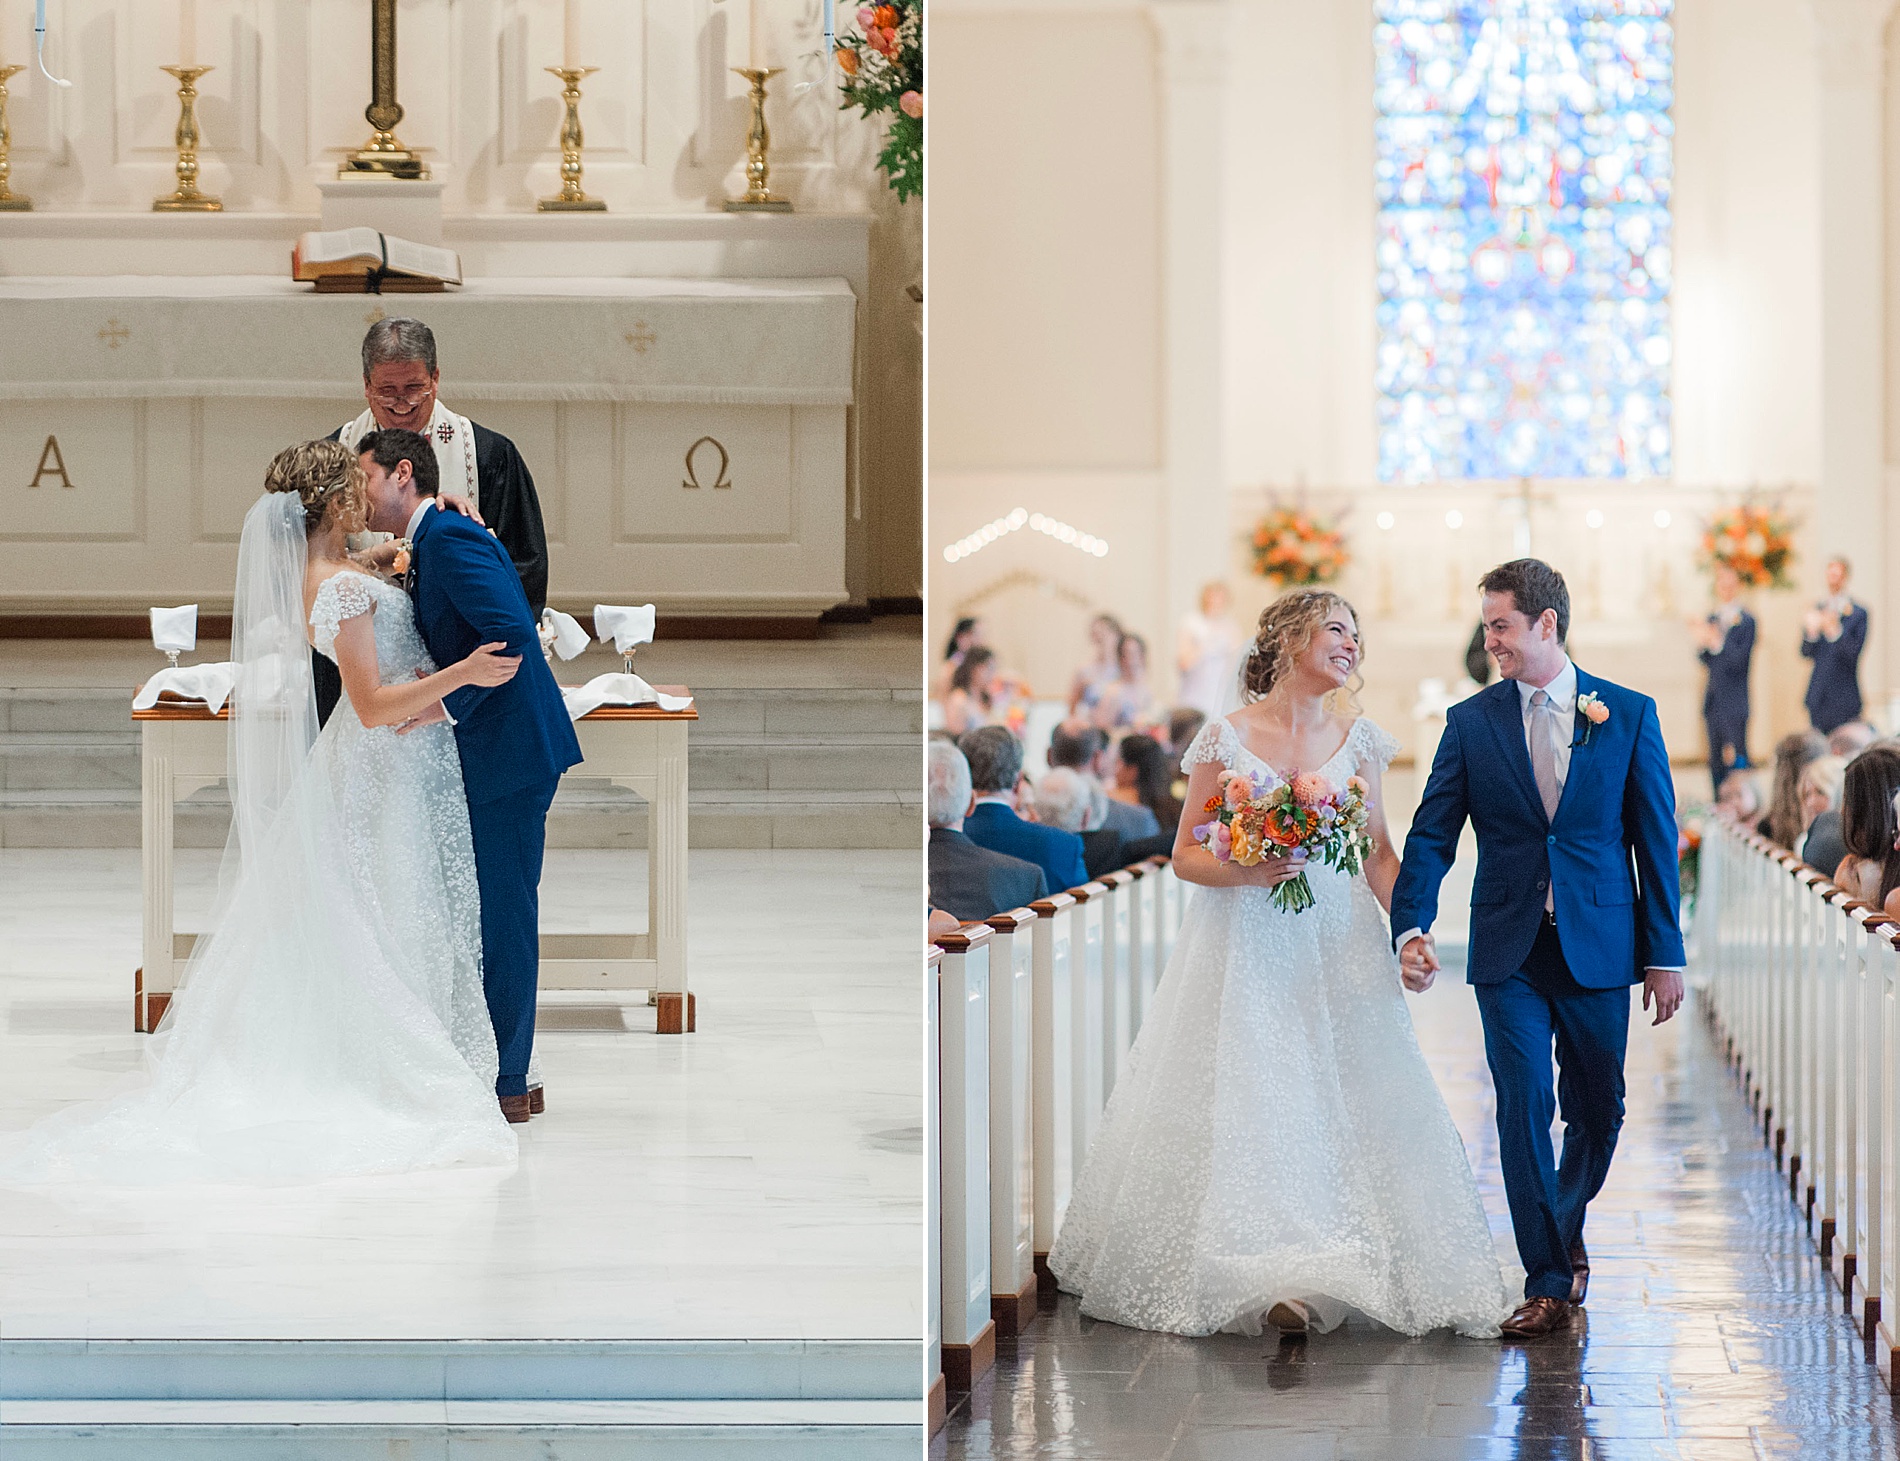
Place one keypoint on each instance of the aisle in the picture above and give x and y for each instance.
(1711, 1334)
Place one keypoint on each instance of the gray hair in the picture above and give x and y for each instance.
(996, 758)
(1063, 799)
(948, 795)
(396, 338)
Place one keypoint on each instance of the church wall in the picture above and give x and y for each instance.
(664, 123)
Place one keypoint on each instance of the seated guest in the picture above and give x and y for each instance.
(1067, 799)
(1821, 847)
(996, 769)
(1871, 867)
(967, 881)
(1739, 799)
(1079, 745)
(1146, 778)
(1783, 825)
(1184, 724)
(1849, 740)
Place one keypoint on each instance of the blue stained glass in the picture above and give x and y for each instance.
(1524, 156)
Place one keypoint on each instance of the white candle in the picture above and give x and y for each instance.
(188, 32)
(752, 33)
(571, 35)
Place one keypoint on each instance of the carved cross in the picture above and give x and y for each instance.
(641, 337)
(114, 334)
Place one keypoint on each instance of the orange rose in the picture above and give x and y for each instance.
(848, 62)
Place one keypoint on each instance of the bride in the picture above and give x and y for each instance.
(332, 1023)
(1278, 1147)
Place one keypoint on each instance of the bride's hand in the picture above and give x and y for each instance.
(489, 667)
(1282, 867)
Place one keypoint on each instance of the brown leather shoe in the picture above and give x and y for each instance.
(537, 1103)
(1290, 1317)
(1537, 1317)
(515, 1108)
(1579, 1272)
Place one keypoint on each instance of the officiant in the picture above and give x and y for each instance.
(400, 381)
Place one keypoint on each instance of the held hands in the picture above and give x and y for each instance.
(1665, 985)
(489, 668)
(1418, 963)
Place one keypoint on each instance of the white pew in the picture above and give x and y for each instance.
(1144, 910)
(1088, 951)
(1118, 977)
(1012, 1121)
(1053, 1026)
(969, 1334)
(935, 1388)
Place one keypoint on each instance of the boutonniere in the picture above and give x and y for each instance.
(1593, 711)
(405, 551)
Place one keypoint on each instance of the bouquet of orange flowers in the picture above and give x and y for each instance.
(1249, 822)
(1297, 550)
(1757, 542)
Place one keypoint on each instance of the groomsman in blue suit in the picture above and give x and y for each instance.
(1566, 781)
(515, 739)
(1834, 636)
(996, 767)
(1726, 642)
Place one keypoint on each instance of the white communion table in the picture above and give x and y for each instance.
(639, 747)
(690, 435)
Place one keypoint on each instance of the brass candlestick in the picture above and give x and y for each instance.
(571, 199)
(758, 198)
(383, 156)
(186, 198)
(10, 201)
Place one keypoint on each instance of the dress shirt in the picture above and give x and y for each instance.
(1562, 691)
(415, 518)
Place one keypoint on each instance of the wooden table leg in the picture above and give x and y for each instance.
(152, 984)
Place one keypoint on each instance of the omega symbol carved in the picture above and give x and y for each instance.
(52, 464)
(720, 479)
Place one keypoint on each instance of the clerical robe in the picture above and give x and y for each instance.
(511, 508)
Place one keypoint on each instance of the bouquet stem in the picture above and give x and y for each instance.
(1295, 895)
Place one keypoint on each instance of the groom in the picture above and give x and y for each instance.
(1566, 781)
(515, 739)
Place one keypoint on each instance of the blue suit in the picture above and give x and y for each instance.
(1725, 701)
(1057, 853)
(1607, 860)
(1833, 696)
(515, 741)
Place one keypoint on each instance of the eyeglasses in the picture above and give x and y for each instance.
(390, 401)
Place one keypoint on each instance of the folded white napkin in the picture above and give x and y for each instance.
(175, 629)
(625, 624)
(209, 683)
(562, 633)
(618, 689)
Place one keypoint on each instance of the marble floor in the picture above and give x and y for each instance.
(1710, 1333)
(760, 1178)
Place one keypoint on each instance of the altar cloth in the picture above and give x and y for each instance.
(785, 342)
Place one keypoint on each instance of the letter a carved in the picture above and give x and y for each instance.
(52, 464)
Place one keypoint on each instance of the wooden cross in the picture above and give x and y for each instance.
(114, 334)
(641, 337)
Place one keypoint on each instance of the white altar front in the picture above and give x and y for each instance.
(688, 436)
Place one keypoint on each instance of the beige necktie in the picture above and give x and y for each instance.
(1544, 753)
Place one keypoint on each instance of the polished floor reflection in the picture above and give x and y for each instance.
(1710, 1334)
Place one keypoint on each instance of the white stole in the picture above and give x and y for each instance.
(452, 437)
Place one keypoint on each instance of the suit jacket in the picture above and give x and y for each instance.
(1609, 854)
(1823, 849)
(972, 882)
(1833, 696)
(1130, 820)
(1102, 851)
(1057, 853)
(467, 594)
(1725, 699)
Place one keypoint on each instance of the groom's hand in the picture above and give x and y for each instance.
(1665, 987)
(1418, 963)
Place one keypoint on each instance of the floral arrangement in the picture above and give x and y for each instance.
(1306, 815)
(1297, 550)
(1757, 542)
(1594, 712)
(883, 67)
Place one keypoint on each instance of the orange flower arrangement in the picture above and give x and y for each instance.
(1295, 549)
(1757, 542)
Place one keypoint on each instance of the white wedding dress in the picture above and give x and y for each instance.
(332, 1023)
(1277, 1134)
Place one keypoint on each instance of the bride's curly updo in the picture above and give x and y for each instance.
(1287, 627)
(323, 474)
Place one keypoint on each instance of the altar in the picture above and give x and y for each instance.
(689, 435)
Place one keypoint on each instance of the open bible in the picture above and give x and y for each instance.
(363, 261)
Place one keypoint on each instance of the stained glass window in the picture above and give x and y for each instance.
(1524, 241)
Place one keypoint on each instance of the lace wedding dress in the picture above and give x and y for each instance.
(332, 1023)
(1277, 1134)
